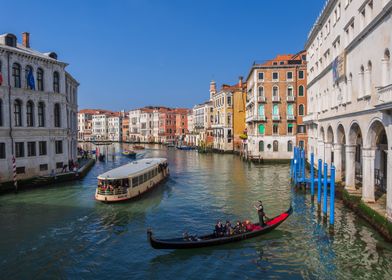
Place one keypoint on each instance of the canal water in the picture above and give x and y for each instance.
(62, 232)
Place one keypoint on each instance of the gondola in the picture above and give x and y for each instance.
(212, 240)
(138, 147)
(101, 157)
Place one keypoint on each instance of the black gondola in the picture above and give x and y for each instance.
(101, 157)
(212, 240)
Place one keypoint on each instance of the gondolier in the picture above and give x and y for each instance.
(260, 212)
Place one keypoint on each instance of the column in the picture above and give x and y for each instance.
(368, 157)
(350, 167)
(328, 150)
(337, 148)
(389, 186)
(320, 150)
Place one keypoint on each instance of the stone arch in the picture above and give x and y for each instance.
(340, 134)
(354, 162)
(322, 134)
(330, 135)
(375, 162)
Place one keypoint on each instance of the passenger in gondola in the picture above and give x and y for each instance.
(237, 228)
(260, 212)
(229, 229)
(218, 229)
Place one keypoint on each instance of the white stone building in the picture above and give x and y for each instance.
(202, 121)
(85, 121)
(115, 128)
(223, 120)
(350, 95)
(38, 111)
(134, 125)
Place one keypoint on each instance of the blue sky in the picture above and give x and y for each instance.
(128, 54)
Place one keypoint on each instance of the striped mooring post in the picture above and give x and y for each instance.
(14, 170)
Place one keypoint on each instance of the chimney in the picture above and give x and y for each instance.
(26, 39)
(240, 82)
(212, 89)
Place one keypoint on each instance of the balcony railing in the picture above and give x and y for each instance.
(290, 117)
(275, 99)
(261, 98)
(385, 97)
(290, 98)
(276, 117)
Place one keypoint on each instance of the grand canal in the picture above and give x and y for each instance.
(62, 232)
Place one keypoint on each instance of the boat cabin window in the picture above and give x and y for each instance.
(135, 182)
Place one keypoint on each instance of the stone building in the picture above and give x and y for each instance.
(350, 95)
(276, 103)
(202, 123)
(38, 110)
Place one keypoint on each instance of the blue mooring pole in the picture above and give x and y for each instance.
(332, 197)
(320, 166)
(303, 167)
(312, 174)
(295, 165)
(325, 188)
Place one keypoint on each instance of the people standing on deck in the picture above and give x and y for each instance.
(260, 212)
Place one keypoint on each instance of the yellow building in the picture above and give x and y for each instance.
(229, 117)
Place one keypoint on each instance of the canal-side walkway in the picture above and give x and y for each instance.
(85, 166)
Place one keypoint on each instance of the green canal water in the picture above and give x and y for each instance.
(62, 232)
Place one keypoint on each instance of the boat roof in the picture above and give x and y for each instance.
(132, 168)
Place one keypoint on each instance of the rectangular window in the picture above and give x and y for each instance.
(135, 182)
(19, 149)
(275, 76)
(59, 165)
(42, 148)
(290, 128)
(20, 170)
(289, 76)
(43, 167)
(31, 149)
(301, 129)
(301, 74)
(275, 129)
(261, 76)
(2, 150)
(59, 147)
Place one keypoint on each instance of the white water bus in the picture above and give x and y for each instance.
(131, 180)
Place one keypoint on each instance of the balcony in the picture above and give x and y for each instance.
(276, 117)
(260, 118)
(275, 99)
(290, 98)
(257, 118)
(384, 101)
(261, 99)
(290, 117)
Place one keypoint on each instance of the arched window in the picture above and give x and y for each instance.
(361, 82)
(57, 115)
(301, 91)
(56, 82)
(261, 91)
(368, 77)
(261, 110)
(30, 113)
(290, 146)
(29, 77)
(16, 75)
(40, 79)
(1, 112)
(290, 91)
(261, 146)
(275, 91)
(301, 110)
(386, 68)
(41, 114)
(275, 146)
(18, 112)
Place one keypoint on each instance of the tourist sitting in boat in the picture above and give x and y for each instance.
(238, 228)
(218, 232)
(229, 229)
(260, 212)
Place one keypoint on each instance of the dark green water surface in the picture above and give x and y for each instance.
(62, 232)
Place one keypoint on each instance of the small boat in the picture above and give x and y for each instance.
(211, 240)
(127, 153)
(185, 148)
(101, 157)
(138, 147)
(131, 180)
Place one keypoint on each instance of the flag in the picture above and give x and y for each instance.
(30, 80)
(1, 79)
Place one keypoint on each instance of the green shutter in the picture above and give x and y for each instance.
(290, 125)
(261, 129)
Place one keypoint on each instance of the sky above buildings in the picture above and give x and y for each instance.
(128, 54)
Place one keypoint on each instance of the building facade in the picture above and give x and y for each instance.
(350, 95)
(38, 111)
(276, 103)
